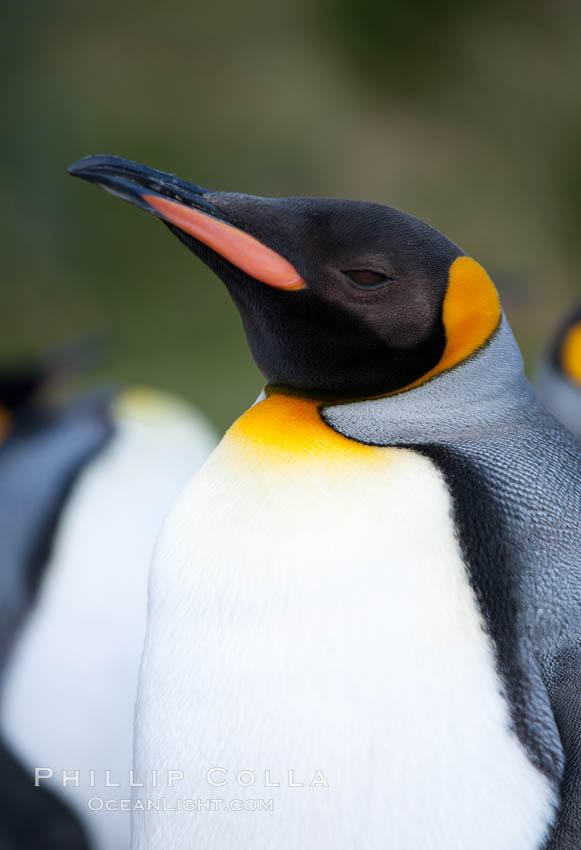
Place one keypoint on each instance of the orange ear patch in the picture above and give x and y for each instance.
(470, 314)
(471, 311)
(5, 422)
(571, 353)
(239, 248)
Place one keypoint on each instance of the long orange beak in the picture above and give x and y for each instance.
(185, 206)
(239, 248)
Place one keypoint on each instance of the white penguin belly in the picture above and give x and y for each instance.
(313, 615)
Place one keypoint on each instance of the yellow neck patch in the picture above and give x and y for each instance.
(571, 354)
(5, 422)
(285, 426)
(471, 314)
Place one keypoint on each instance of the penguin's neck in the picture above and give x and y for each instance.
(486, 390)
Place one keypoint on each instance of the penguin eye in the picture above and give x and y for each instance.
(368, 279)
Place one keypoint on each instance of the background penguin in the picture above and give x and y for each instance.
(396, 602)
(559, 379)
(83, 488)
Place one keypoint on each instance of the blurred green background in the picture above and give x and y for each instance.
(467, 115)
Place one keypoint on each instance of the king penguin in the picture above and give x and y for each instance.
(84, 487)
(364, 625)
(559, 378)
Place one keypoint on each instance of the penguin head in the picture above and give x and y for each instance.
(27, 389)
(339, 299)
(565, 351)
